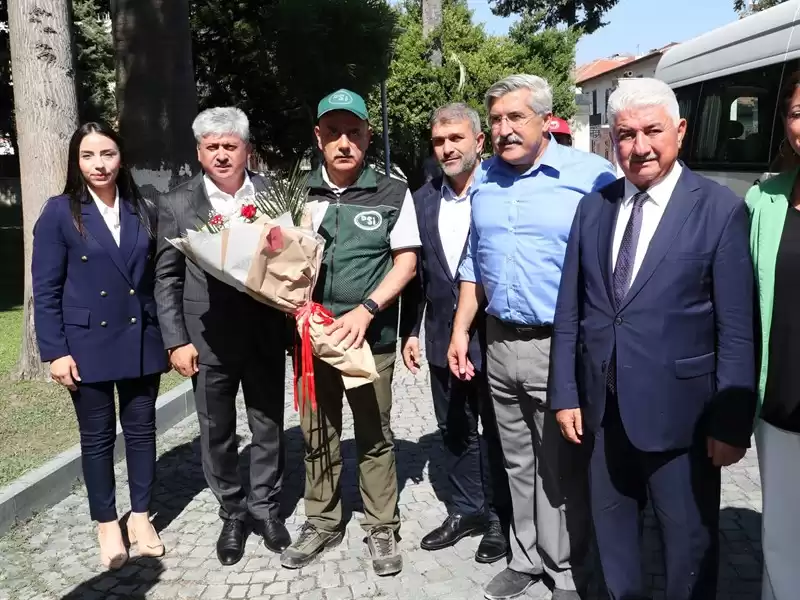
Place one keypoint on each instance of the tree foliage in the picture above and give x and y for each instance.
(275, 59)
(94, 61)
(472, 62)
(586, 15)
(748, 7)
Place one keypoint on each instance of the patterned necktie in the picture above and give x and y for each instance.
(623, 271)
(626, 256)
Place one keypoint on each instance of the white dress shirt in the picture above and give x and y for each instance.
(652, 211)
(110, 214)
(222, 202)
(454, 219)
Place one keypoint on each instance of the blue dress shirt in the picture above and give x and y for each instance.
(519, 230)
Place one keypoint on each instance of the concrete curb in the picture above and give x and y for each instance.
(52, 482)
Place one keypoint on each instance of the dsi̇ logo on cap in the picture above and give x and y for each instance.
(369, 220)
(554, 124)
(342, 98)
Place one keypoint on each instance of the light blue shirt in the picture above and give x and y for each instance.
(519, 230)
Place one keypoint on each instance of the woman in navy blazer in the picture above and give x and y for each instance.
(96, 325)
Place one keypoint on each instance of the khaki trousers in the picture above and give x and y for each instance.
(371, 405)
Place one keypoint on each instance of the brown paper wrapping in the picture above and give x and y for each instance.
(284, 275)
(357, 365)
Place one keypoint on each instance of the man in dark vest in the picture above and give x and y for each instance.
(443, 214)
(371, 240)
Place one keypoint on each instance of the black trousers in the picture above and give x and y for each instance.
(458, 405)
(97, 421)
(215, 387)
(684, 489)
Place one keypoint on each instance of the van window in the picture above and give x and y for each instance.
(734, 121)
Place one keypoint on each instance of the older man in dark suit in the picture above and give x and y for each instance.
(652, 357)
(222, 338)
(443, 213)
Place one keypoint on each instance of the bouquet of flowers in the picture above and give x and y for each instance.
(268, 248)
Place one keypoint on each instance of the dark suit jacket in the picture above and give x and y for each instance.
(434, 290)
(225, 325)
(93, 299)
(684, 332)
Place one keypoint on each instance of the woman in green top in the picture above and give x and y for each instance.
(774, 207)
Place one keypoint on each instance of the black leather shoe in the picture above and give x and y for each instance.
(493, 546)
(453, 529)
(230, 544)
(276, 538)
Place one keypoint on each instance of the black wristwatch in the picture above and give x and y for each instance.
(371, 306)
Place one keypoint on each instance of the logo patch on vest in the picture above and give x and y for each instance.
(368, 220)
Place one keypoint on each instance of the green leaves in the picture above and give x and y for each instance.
(276, 59)
(472, 62)
(746, 8)
(285, 195)
(586, 15)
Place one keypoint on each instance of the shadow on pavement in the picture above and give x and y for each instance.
(131, 582)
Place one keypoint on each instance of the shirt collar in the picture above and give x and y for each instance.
(449, 194)
(661, 192)
(102, 206)
(551, 159)
(213, 190)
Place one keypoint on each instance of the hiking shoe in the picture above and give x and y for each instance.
(308, 545)
(386, 558)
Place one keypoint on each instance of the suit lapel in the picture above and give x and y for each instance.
(200, 202)
(96, 226)
(129, 225)
(433, 204)
(681, 204)
(605, 234)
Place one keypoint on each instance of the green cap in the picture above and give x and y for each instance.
(343, 100)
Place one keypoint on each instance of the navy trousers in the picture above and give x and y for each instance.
(458, 406)
(94, 405)
(684, 489)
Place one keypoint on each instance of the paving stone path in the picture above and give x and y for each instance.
(54, 556)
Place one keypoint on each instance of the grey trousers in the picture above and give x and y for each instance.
(547, 475)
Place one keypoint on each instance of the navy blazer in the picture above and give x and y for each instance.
(684, 332)
(92, 299)
(434, 290)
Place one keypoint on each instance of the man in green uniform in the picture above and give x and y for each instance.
(371, 234)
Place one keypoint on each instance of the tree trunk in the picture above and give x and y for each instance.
(46, 114)
(156, 94)
(431, 19)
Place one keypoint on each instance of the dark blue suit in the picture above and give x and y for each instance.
(457, 404)
(683, 344)
(93, 300)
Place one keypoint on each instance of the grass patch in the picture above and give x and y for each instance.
(38, 420)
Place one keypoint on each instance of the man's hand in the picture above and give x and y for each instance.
(460, 364)
(722, 454)
(350, 329)
(184, 359)
(570, 420)
(410, 350)
(65, 372)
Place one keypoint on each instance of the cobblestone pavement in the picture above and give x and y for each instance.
(54, 555)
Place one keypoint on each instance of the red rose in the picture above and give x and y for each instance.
(217, 221)
(248, 211)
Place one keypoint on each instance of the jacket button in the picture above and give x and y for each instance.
(103, 323)
(618, 321)
(104, 293)
(132, 292)
(603, 367)
(84, 258)
(133, 320)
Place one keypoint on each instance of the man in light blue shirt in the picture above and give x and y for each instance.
(521, 217)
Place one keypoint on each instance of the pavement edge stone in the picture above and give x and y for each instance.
(50, 483)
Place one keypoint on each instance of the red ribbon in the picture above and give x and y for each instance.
(305, 362)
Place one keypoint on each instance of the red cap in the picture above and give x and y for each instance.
(559, 125)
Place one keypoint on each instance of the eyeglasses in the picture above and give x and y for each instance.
(514, 119)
